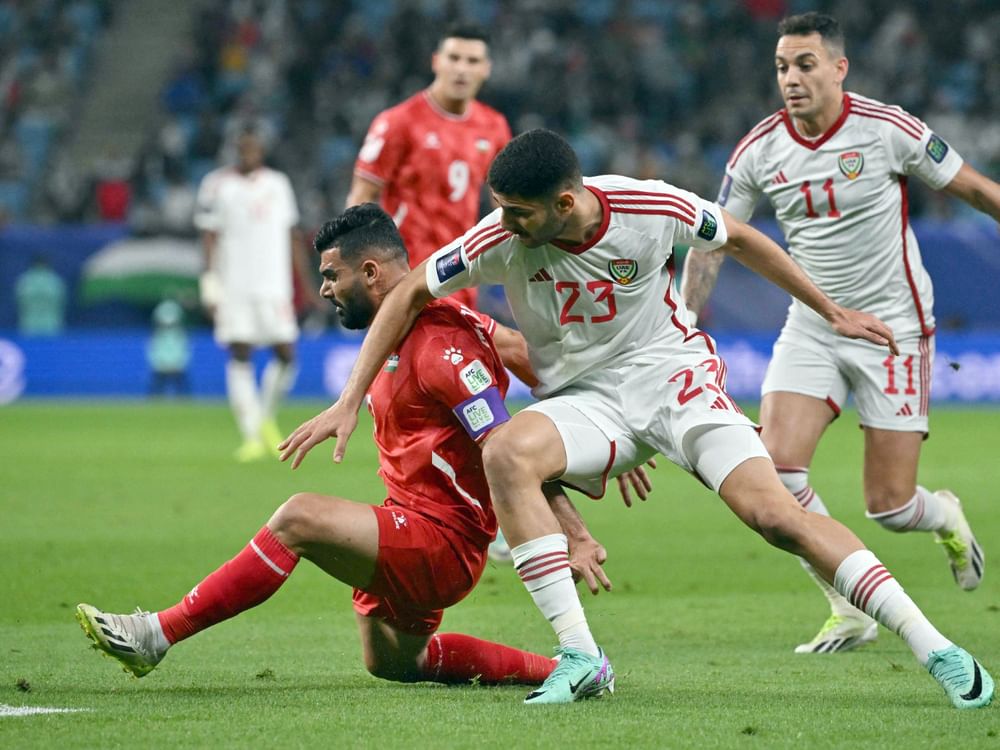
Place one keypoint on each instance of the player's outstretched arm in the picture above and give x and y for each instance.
(586, 554)
(976, 189)
(392, 322)
(513, 351)
(763, 256)
(701, 269)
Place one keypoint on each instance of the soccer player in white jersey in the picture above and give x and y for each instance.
(835, 166)
(248, 220)
(623, 374)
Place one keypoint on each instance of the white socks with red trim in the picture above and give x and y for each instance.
(925, 511)
(796, 481)
(866, 584)
(543, 565)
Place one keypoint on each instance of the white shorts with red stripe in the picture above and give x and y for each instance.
(891, 393)
(616, 419)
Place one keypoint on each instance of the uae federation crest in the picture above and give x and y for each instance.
(623, 270)
(851, 164)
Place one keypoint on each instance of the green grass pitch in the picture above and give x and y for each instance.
(125, 504)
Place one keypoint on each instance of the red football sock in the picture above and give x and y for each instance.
(455, 658)
(243, 582)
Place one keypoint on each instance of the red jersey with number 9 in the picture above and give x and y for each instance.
(431, 165)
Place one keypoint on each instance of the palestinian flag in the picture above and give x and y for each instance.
(142, 270)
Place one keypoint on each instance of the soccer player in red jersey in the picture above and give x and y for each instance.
(426, 158)
(424, 548)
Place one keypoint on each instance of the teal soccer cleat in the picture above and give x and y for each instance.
(967, 684)
(577, 676)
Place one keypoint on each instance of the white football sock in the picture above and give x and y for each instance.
(543, 565)
(241, 386)
(275, 383)
(865, 582)
(796, 481)
(925, 511)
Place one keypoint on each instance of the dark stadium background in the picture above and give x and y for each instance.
(112, 111)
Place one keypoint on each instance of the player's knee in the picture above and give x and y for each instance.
(292, 522)
(390, 669)
(507, 460)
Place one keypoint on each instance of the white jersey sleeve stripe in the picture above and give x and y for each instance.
(889, 116)
(889, 108)
(485, 243)
(621, 196)
(664, 201)
(654, 212)
(761, 130)
(479, 233)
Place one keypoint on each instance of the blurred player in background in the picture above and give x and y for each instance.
(623, 374)
(424, 549)
(248, 220)
(426, 158)
(835, 166)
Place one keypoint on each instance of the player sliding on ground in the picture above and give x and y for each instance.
(424, 549)
(588, 269)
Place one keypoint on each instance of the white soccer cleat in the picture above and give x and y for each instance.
(965, 556)
(130, 639)
(841, 633)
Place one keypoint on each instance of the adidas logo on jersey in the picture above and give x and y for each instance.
(779, 179)
(906, 411)
(541, 275)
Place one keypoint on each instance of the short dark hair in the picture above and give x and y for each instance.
(464, 30)
(536, 164)
(813, 22)
(361, 231)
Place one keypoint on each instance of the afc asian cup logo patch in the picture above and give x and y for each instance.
(709, 226)
(937, 149)
(450, 264)
(623, 270)
(851, 163)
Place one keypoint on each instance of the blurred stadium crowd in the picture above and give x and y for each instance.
(644, 88)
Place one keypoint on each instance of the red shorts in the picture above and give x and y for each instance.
(422, 567)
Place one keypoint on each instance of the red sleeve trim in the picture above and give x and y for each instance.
(759, 130)
(487, 241)
(892, 117)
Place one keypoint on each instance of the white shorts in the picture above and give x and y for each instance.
(617, 419)
(891, 393)
(261, 322)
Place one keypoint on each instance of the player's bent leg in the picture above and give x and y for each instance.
(792, 425)
(339, 536)
(859, 576)
(448, 658)
(517, 458)
(896, 502)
